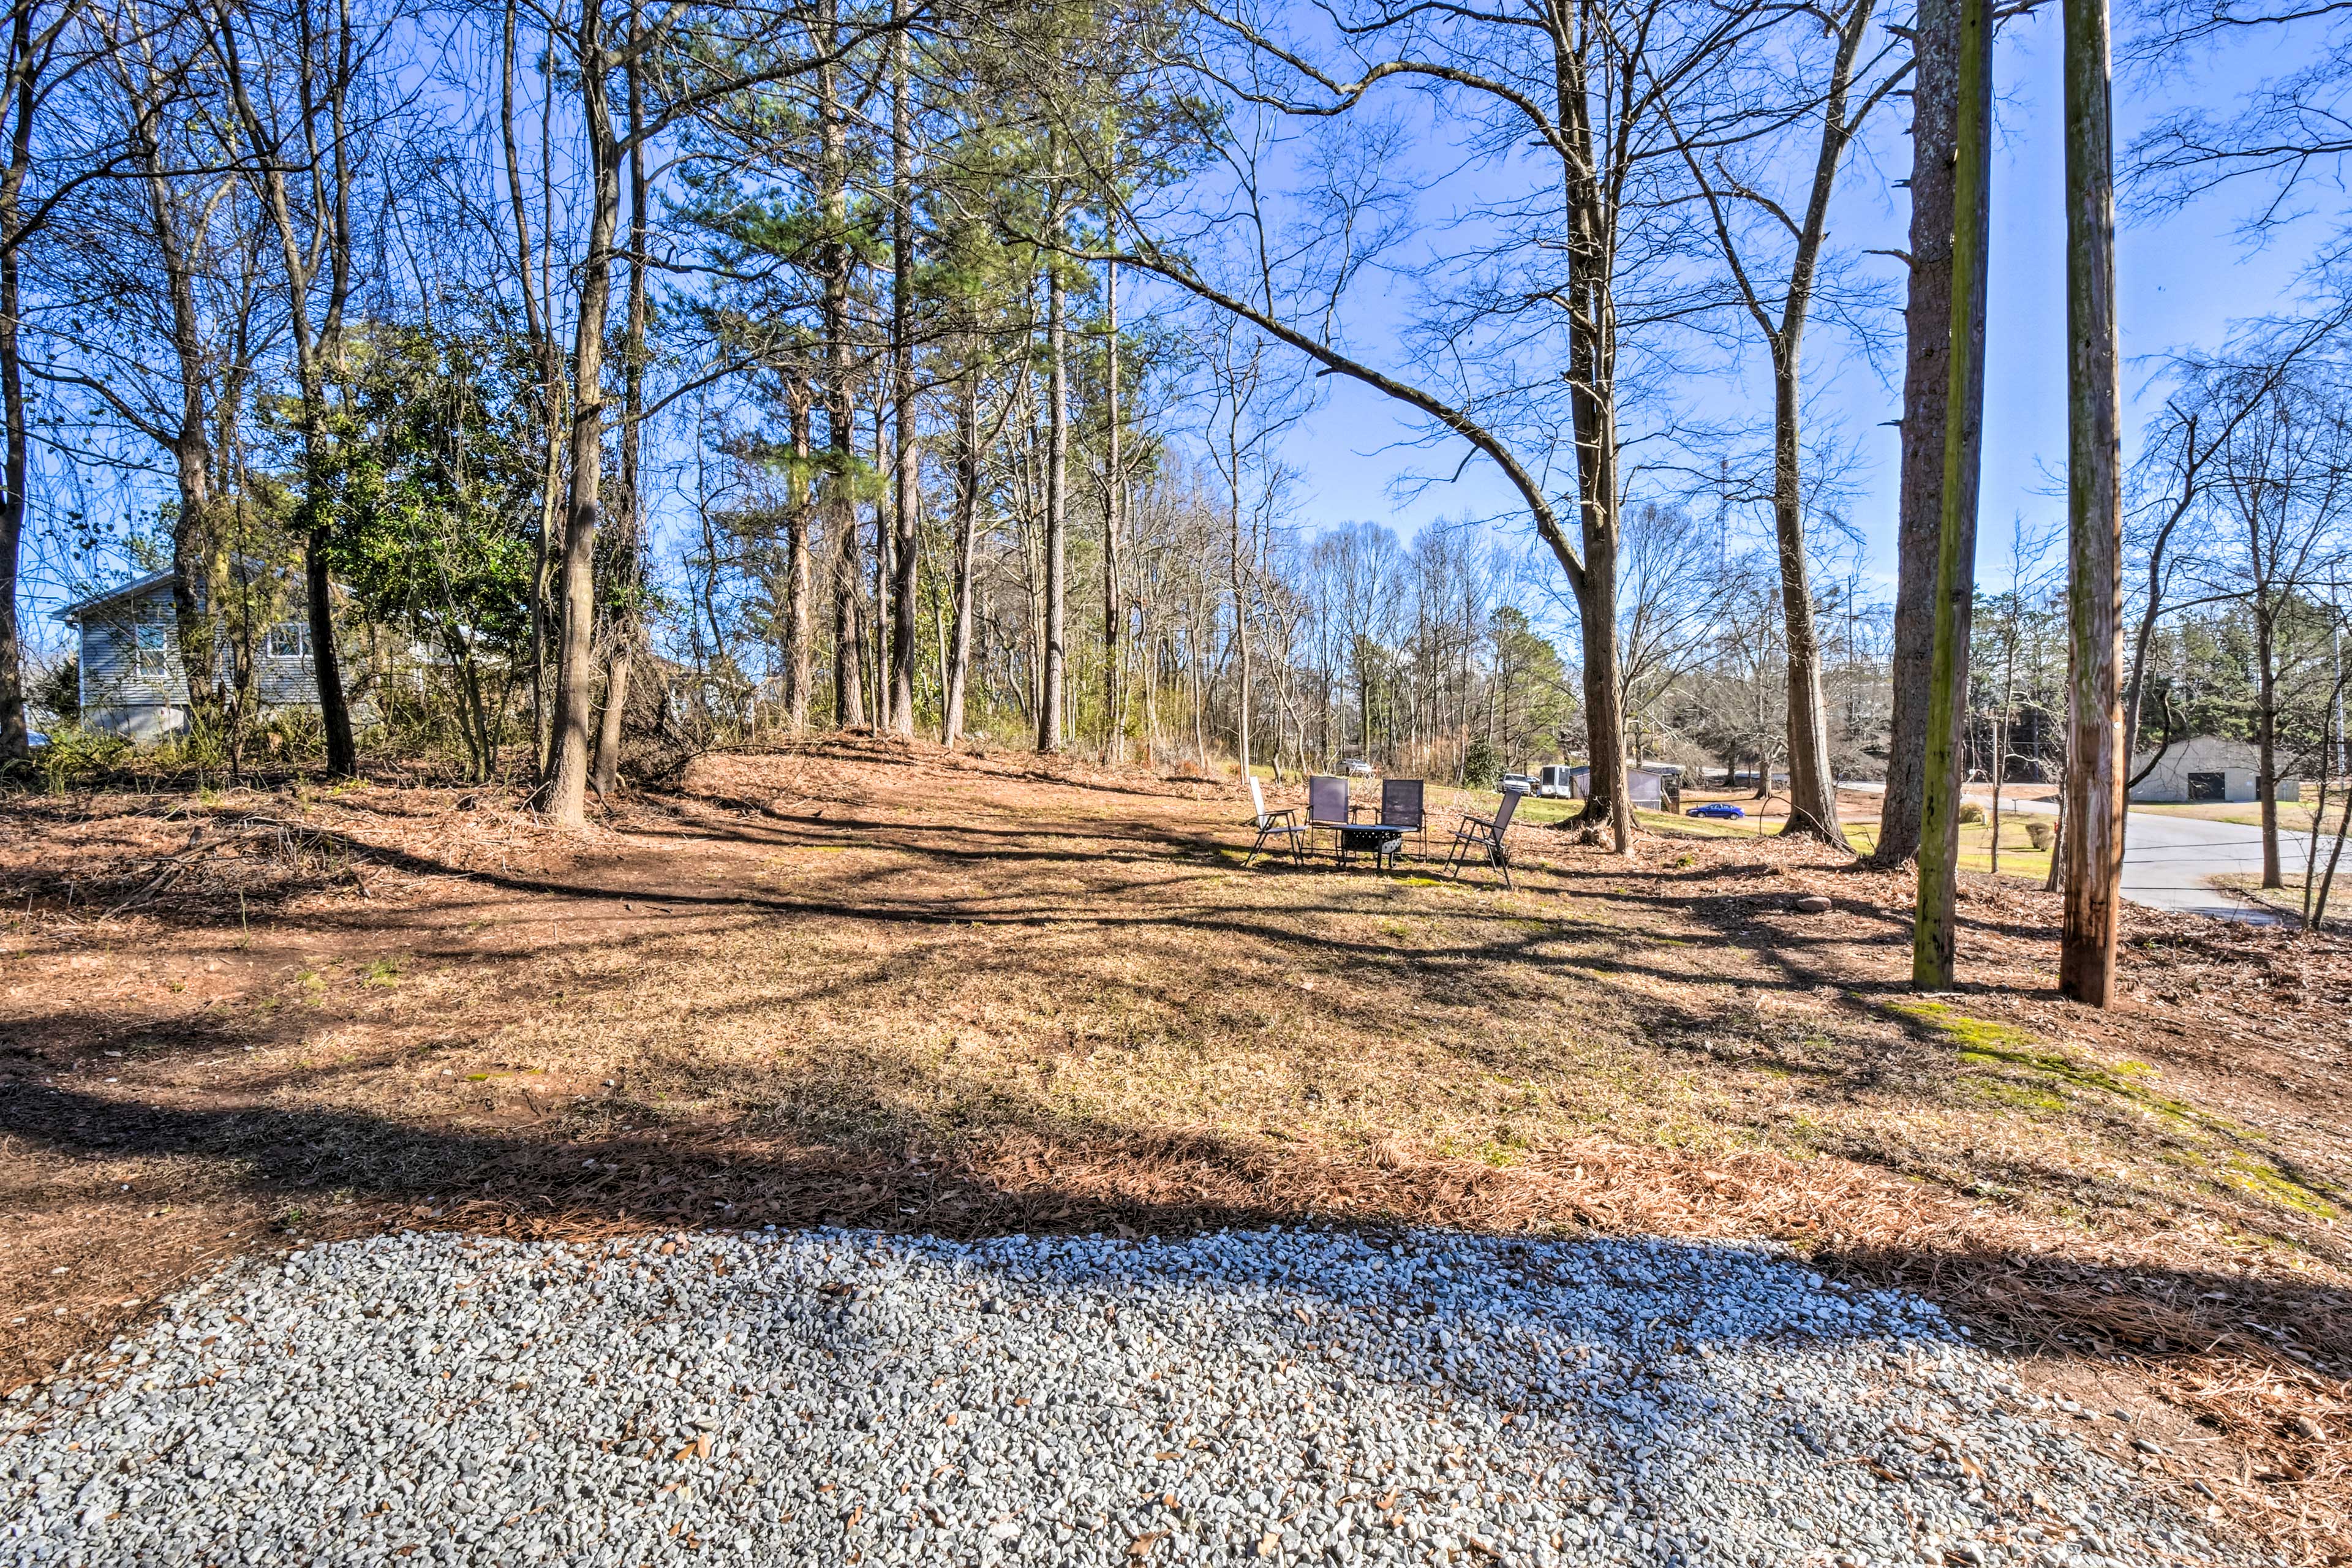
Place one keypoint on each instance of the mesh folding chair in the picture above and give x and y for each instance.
(1327, 802)
(1401, 807)
(1480, 838)
(1282, 827)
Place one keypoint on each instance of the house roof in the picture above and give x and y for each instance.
(131, 590)
(249, 565)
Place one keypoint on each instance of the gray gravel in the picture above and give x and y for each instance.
(845, 1397)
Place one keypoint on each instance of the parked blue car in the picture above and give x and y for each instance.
(1715, 808)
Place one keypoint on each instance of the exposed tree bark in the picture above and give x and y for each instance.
(576, 592)
(1114, 523)
(2266, 732)
(835, 262)
(1057, 467)
(26, 58)
(1236, 560)
(1926, 390)
(798, 515)
(628, 542)
(967, 506)
(1961, 411)
(906, 490)
(2094, 767)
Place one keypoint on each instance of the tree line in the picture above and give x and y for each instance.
(887, 363)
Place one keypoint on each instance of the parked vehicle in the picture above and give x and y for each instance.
(1556, 781)
(1356, 768)
(1516, 783)
(1716, 808)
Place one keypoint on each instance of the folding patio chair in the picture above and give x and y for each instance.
(1327, 802)
(1283, 824)
(1401, 807)
(1482, 836)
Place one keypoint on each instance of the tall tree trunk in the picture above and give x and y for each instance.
(797, 517)
(629, 537)
(1057, 464)
(886, 549)
(1812, 785)
(835, 260)
(967, 507)
(1961, 411)
(1114, 521)
(2267, 738)
(2094, 766)
(905, 487)
(1926, 392)
(1592, 380)
(1241, 629)
(848, 626)
(576, 595)
(15, 464)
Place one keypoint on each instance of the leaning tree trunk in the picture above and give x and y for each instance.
(1926, 395)
(1962, 407)
(2094, 771)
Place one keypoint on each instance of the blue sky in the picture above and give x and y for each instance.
(2181, 280)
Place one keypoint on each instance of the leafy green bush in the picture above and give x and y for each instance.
(76, 755)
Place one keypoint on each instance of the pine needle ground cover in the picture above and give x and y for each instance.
(884, 985)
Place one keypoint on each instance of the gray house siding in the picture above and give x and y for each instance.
(133, 680)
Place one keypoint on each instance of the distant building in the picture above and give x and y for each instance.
(2199, 768)
(133, 682)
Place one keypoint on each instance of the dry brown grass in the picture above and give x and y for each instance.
(880, 985)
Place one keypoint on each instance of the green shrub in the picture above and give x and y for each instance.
(76, 755)
(1972, 814)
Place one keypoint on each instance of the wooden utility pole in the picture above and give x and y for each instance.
(1939, 835)
(2094, 841)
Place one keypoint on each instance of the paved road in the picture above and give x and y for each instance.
(2169, 862)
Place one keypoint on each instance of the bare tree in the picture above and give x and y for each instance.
(2285, 479)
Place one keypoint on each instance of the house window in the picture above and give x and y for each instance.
(150, 649)
(289, 639)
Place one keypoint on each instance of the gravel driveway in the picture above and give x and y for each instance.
(844, 1397)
